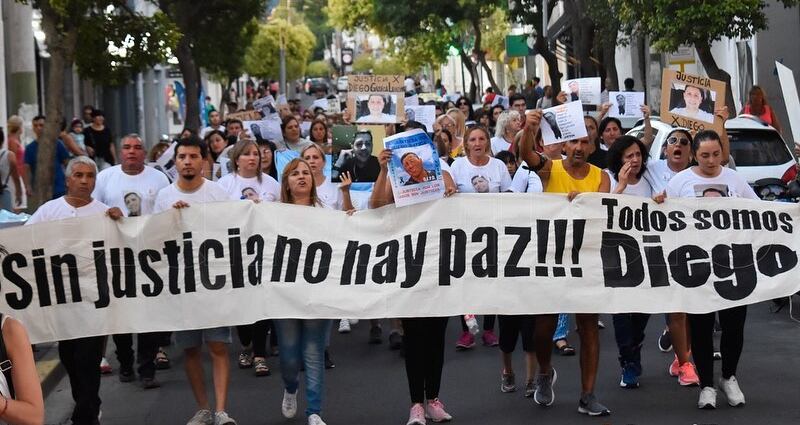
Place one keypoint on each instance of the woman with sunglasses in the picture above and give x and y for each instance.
(465, 106)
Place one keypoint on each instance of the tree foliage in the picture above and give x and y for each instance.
(262, 58)
(319, 68)
(315, 17)
(363, 64)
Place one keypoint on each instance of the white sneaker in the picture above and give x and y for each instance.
(315, 420)
(344, 326)
(289, 405)
(708, 398)
(105, 366)
(353, 322)
(730, 387)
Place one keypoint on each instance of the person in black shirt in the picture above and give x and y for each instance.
(98, 137)
(359, 161)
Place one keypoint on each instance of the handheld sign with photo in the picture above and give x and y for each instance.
(689, 101)
(587, 90)
(266, 105)
(500, 100)
(625, 104)
(354, 151)
(563, 122)
(166, 164)
(267, 129)
(412, 100)
(330, 106)
(376, 99)
(789, 89)
(414, 170)
(425, 114)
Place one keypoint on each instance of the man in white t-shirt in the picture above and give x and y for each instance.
(81, 356)
(189, 189)
(215, 123)
(132, 187)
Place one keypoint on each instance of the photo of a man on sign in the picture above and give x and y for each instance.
(376, 109)
(693, 103)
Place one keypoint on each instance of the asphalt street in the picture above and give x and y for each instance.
(368, 386)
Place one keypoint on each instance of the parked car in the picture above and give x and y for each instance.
(317, 85)
(341, 83)
(758, 150)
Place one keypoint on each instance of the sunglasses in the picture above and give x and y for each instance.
(673, 140)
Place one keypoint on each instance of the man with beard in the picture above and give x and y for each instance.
(80, 356)
(190, 189)
(359, 162)
(570, 176)
(132, 187)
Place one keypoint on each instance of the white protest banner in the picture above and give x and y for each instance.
(330, 106)
(587, 90)
(238, 262)
(267, 129)
(789, 89)
(563, 122)
(425, 114)
(689, 101)
(414, 170)
(626, 104)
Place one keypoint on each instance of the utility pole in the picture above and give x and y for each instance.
(283, 49)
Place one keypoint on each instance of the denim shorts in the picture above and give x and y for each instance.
(196, 337)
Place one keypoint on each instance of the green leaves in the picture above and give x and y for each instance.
(262, 57)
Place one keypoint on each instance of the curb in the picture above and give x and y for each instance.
(48, 367)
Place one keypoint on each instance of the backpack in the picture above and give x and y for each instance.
(5, 362)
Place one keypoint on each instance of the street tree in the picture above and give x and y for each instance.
(115, 43)
(319, 68)
(262, 58)
(671, 24)
(214, 36)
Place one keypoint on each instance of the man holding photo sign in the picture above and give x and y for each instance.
(570, 176)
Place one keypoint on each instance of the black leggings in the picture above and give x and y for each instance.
(488, 323)
(511, 326)
(702, 330)
(423, 340)
(257, 334)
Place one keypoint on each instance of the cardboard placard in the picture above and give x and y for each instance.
(375, 83)
(689, 101)
(377, 107)
(244, 116)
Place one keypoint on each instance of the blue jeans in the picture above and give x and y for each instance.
(629, 333)
(303, 340)
(562, 329)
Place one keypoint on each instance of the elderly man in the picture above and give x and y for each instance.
(81, 356)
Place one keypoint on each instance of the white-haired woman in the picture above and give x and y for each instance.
(509, 124)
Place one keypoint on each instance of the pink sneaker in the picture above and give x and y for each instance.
(434, 410)
(675, 367)
(417, 415)
(490, 339)
(688, 375)
(466, 341)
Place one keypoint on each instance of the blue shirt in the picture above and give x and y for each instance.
(62, 155)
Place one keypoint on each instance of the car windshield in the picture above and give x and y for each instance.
(758, 147)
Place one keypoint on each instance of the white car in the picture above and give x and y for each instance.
(341, 83)
(758, 150)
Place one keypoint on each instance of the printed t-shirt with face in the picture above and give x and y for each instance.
(688, 184)
(59, 209)
(641, 188)
(238, 187)
(492, 177)
(207, 192)
(526, 181)
(134, 195)
(658, 174)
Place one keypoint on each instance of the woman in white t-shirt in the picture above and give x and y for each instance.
(302, 341)
(710, 179)
(331, 195)
(508, 125)
(25, 405)
(478, 172)
(247, 182)
(627, 163)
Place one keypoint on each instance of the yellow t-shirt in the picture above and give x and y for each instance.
(561, 182)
